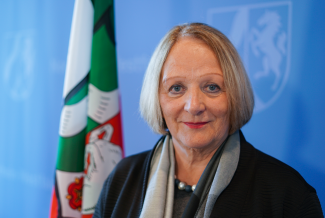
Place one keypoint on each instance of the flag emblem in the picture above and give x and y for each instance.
(75, 194)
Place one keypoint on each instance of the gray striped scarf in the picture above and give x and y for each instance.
(159, 197)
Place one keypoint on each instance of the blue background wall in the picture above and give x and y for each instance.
(288, 122)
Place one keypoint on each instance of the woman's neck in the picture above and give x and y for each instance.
(191, 162)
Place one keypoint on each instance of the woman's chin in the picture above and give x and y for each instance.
(209, 138)
(197, 142)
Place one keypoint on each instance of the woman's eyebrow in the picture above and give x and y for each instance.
(218, 74)
(165, 79)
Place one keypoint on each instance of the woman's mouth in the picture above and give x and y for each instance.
(197, 125)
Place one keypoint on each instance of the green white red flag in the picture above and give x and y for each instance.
(90, 143)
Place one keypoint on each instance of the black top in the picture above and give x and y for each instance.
(181, 198)
(262, 186)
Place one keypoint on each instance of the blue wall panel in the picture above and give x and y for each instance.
(34, 35)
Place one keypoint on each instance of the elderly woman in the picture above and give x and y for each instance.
(197, 94)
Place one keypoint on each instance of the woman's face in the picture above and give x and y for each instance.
(192, 95)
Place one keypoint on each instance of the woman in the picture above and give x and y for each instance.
(197, 94)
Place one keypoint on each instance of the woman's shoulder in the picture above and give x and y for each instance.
(278, 172)
(270, 170)
(136, 160)
(281, 189)
(132, 161)
(129, 168)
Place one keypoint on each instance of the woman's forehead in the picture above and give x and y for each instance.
(190, 57)
(179, 73)
(188, 47)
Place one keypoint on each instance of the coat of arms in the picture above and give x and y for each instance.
(261, 33)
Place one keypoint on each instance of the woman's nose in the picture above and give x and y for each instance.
(194, 102)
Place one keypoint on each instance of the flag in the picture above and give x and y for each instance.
(90, 141)
(104, 132)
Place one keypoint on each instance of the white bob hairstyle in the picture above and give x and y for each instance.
(237, 85)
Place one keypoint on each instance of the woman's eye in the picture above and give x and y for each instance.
(212, 88)
(176, 88)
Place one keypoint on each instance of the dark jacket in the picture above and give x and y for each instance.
(262, 186)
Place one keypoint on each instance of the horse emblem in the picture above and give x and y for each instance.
(270, 45)
(101, 156)
(261, 34)
(18, 72)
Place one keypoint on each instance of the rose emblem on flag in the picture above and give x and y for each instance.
(75, 194)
